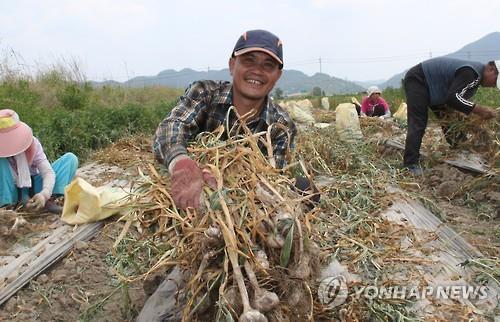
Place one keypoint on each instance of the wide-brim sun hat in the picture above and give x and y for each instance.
(15, 136)
(497, 64)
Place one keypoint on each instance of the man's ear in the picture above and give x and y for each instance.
(231, 65)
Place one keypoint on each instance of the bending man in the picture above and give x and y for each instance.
(440, 82)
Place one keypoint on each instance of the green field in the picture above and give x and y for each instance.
(68, 114)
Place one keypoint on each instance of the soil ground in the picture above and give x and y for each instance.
(80, 287)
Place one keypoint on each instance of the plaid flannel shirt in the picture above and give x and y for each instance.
(203, 108)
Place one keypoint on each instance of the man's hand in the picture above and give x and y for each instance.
(484, 112)
(37, 202)
(187, 181)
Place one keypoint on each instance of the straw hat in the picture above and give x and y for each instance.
(15, 136)
(497, 64)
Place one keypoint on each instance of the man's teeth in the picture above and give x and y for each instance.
(253, 81)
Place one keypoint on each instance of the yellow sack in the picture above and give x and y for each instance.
(347, 122)
(83, 203)
(325, 104)
(401, 114)
(305, 105)
(299, 113)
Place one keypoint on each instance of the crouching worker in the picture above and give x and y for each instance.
(26, 176)
(374, 104)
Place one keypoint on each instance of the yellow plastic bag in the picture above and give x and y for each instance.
(347, 123)
(83, 203)
(401, 113)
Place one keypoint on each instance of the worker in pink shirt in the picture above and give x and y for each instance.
(374, 104)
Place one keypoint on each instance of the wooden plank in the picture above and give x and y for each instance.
(9, 272)
(31, 263)
(470, 162)
(450, 250)
(414, 213)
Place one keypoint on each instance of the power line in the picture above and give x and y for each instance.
(23, 67)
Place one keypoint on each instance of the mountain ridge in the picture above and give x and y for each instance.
(290, 82)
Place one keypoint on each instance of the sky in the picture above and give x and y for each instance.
(350, 39)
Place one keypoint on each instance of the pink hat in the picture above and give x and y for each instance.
(497, 64)
(15, 136)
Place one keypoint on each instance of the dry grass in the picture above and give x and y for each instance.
(127, 152)
(253, 216)
(254, 210)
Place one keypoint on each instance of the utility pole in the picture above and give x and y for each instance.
(320, 64)
(208, 69)
(430, 54)
(126, 71)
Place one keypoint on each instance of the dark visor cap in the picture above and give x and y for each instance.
(260, 40)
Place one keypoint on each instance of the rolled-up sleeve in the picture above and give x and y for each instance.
(180, 126)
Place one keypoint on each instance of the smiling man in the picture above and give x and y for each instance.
(256, 64)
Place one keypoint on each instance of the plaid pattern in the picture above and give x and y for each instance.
(203, 108)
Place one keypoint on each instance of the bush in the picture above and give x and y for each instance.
(74, 96)
(81, 131)
(68, 116)
(17, 93)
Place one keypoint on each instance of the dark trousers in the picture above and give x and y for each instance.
(378, 110)
(418, 101)
(358, 109)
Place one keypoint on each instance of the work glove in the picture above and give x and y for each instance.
(37, 202)
(187, 182)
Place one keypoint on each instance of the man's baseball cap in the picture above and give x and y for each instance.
(260, 40)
